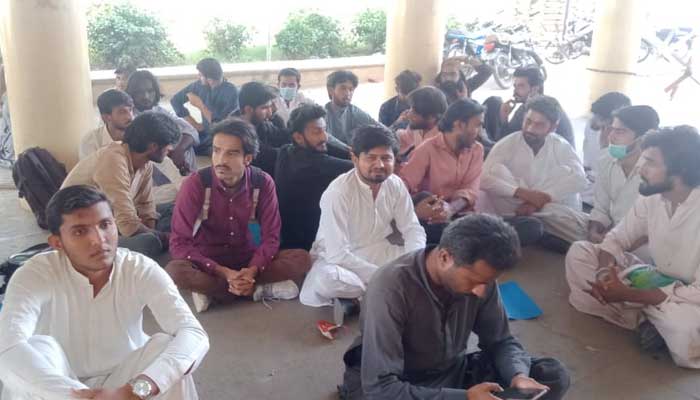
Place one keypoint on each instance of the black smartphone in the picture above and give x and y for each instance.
(518, 394)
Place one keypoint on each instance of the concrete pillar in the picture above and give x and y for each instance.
(615, 46)
(45, 52)
(414, 38)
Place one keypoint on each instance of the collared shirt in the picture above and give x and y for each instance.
(555, 169)
(412, 138)
(340, 122)
(224, 237)
(221, 100)
(284, 109)
(433, 167)
(47, 296)
(515, 124)
(671, 243)
(414, 344)
(615, 192)
(130, 191)
(185, 129)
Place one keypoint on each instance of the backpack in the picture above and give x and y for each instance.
(257, 179)
(38, 176)
(15, 261)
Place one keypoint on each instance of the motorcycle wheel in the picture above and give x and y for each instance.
(578, 48)
(644, 51)
(554, 54)
(502, 71)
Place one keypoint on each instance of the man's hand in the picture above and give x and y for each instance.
(483, 391)
(196, 125)
(521, 381)
(195, 100)
(123, 393)
(596, 232)
(506, 109)
(610, 290)
(178, 157)
(534, 197)
(606, 260)
(243, 284)
(525, 210)
(432, 209)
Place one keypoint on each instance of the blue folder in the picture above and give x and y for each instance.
(517, 303)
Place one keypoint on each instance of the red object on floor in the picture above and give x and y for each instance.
(327, 329)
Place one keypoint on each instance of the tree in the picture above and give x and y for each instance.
(310, 35)
(122, 32)
(225, 39)
(369, 29)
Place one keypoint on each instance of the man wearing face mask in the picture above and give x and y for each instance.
(617, 185)
(664, 308)
(290, 98)
(536, 173)
(419, 312)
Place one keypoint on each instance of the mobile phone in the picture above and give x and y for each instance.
(518, 394)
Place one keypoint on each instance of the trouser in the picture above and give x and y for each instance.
(150, 244)
(286, 265)
(479, 368)
(133, 365)
(678, 323)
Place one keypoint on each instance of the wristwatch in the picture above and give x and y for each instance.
(141, 388)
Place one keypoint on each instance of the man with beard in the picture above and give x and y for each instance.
(427, 104)
(124, 172)
(226, 227)
(537, 173)
(443, 173)
(420, 311)
(343, 117)
(144, 89)
(304, 170)
(362, 213)
(71, 323)
(665, 307)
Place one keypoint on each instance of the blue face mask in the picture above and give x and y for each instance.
(288, 93)
(617, 151)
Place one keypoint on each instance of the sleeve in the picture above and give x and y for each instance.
(187, 129)
(385, 115)
(569, 174)
(407, 221)
(87, 146)
(496, 178)
(180, 98)
(566, 130)
(113, 178)
(633, 227)
(144, 202)
(227, 105)
(483, 73)
(601, 201)
(189, 343)
(270, 225)
(680, 292)
(491, 326)
(418, 166)
(188, 205)
(383, 353)
(27, 292)
(337, 143)
(472, 179)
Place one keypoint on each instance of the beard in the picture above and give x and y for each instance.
(321, 147)
(646, 189)
(375, 176)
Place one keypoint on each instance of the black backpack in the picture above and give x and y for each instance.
(17, 260)
(38, 176)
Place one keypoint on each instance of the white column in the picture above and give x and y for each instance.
(45, 52)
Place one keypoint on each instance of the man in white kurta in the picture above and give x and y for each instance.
(670, 219)
(356, 234)
(59, 333)
(533, 166)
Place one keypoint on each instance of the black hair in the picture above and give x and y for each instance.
(242, 129)
(680, 146)
(143, 75)
(533, 74)
(482, 237)
(367, 137)
(289, 72)
(640, 119)
(461, 110)
(609, 102)
(304, 114)
(111, 98)
(407, 81)
(151, 127)
(254, 94)
(545, 105)
(68, 200)
(210, 68)
(338, 77)
(452, 90)
(428, 101)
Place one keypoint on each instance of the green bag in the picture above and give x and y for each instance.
(644, 276)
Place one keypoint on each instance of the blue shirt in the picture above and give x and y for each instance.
(221, 100)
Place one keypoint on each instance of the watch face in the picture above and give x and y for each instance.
(142, 388)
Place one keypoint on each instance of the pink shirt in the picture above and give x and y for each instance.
(414, 137)
(433, 167)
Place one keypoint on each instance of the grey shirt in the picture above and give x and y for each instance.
(414, 346)
(340, 122)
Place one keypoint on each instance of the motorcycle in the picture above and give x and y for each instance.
(512, 49)
(461, 44)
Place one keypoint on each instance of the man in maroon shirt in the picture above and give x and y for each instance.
(220, 213)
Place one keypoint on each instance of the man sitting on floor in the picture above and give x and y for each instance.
(290, 98)
(390, 111)
(226, 227)
(343, 117)
(363, 213)
(71, 323)
(303, 172)
(661, 301)
(427, 104)
(419, 312)
(535, 172)
(124, 172)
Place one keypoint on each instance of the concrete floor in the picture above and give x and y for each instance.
(260, 353)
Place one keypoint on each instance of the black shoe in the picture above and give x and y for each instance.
(555, 244)
(650, 340)
(343, 308)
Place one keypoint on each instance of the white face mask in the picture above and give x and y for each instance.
(288, 93)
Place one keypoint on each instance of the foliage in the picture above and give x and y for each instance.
(369, 29)
(225, 39)
(310, 35)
